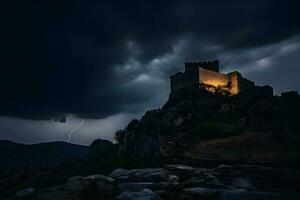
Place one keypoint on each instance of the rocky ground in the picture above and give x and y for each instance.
(178, 182)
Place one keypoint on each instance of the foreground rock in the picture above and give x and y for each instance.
(145, 194)
(91, 187)
(148, 174)
(245, 195)
(26, 192)
(225, 182)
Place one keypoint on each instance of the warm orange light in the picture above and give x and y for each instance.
(214, 81)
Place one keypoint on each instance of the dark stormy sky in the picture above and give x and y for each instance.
(109, 61)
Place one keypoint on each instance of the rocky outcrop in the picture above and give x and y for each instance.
(25, 192)
(194, 114)
(145, 194)
(181, 182)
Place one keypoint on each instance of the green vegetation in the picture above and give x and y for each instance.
(211, 130)
(102, 157)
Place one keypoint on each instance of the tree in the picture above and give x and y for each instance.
(119, 136)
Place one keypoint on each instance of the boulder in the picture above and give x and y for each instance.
(119, 173)
(145, 194)
(200, 181)
(245, 195)
(136, 186)
(147, 174)
(199, 192)
(242, 183)
(25, 192)
(180, 168)
(184, 171)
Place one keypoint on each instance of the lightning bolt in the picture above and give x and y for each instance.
(73, 130)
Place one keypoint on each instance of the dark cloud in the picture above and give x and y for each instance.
(101, 58)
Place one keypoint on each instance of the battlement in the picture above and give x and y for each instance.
(209, 65)
(205, 74)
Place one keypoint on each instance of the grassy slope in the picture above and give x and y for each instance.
(251, 146)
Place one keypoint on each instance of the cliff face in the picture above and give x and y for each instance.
(192, 115)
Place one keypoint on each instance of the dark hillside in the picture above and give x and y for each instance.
(194, 115)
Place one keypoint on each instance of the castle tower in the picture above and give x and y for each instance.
(192, 70)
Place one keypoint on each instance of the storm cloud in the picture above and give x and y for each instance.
(99, 59)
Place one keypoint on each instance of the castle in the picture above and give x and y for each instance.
(206, 75)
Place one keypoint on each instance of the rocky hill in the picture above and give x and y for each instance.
(193, 116)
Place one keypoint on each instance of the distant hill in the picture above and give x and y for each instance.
(49, 164)
(16, 156)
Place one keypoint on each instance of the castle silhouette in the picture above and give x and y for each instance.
(205, 74)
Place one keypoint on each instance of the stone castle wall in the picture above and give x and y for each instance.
(213, 78)
(234, 82)
(178, 81)
(206, 74)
